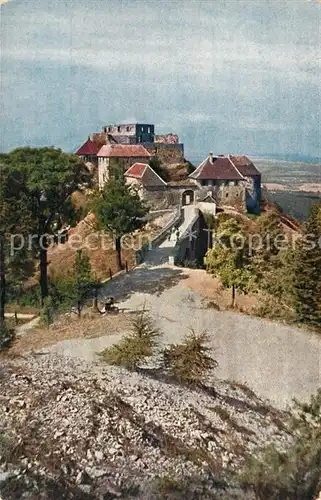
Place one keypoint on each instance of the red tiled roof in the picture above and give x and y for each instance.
(145, 174)
(220, 168)
(124, 151)
(88, 148)
(244, 165)
(136, 170)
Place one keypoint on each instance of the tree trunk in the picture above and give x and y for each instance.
(118, 252)
(43, 273)
(233, 295)
(2, 281)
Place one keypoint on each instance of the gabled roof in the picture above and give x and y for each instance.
(123, 151)
(225, 168)
(145, 174)
(244, 165)
(89, 148)
(216, 168)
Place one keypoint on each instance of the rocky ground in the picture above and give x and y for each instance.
(72, 430)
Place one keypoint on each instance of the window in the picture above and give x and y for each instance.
(226, 196)
(142, 129)
(128, 129)
(148, 130)
(118, 128)
(109, 129)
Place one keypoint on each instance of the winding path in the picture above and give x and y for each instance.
(279, 362)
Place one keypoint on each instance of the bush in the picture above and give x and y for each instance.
(133, 349)
(6, 336)
(272, 308)
(24, 297)
(295, 472)
(47, 312)
(189, 362)
(191, 264)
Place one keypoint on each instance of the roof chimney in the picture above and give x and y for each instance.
(210, 156)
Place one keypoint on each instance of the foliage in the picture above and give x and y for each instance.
(271, 307)
(133, 349)
(307, 272)
(47, 311)
(75, 287)
(46, 178)
(190, 361)
(210, 220)
(156, 164)
(83, 279)
(190, 167)
(295, 472)
(119, 211)
(229, 259)
(6, 335)
(191, 264)
(14, 219)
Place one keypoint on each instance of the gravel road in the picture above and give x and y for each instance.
(279, 362)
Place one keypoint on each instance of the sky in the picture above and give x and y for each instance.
(228, 76)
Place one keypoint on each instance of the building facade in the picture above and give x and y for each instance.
(167, 146)
(120, 157)
(232, 180)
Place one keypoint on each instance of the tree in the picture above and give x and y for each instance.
(47, 177)
(190, 361)
(229, 258)
(272, 257)
(14, 218)
(119, 211)
(136, 347)
(156, 164)
(307, 271)
(83, 279)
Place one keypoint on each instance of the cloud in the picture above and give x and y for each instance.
(251, 66)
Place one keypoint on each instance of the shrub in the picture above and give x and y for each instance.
(272, 308)
(6, 336)
(191, 264)
(189, 362)
(47, 312)
(295, 472)
(133, 349)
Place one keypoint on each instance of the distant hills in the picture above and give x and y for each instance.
(295, 157)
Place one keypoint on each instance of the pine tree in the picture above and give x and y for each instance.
(47, 178)
(307, 267)
(83, 279)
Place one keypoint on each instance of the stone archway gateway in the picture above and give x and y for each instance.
(187, 197)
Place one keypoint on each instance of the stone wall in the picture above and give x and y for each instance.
(233, 196)
(193, 248)
(167, 138)
(167, 153)
(106, 164)
(160, 198)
